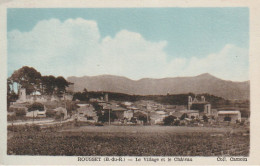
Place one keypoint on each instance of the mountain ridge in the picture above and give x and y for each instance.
(203, 83)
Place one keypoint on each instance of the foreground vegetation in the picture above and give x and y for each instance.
(130, 141)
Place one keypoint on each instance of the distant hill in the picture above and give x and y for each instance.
(204, 83)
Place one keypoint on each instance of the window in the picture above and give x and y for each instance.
(227, 118)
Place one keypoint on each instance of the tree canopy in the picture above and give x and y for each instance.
(32, 80)
(169, 120)
(36, 106)
(48, 84)
(28, 78)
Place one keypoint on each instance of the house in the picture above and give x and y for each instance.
(170, 110)
(191, 113)
(116, 109)
(160, 112)
(133, 108)
(23, 107)
(36, 113)
(177, 114)
(128, 114)
(229, 116)
(86, 112)
(157, 117)
(127, 103)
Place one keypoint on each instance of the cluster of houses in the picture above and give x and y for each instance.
(127, 112)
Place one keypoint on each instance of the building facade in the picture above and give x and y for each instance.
(229, 116)
(201, 105)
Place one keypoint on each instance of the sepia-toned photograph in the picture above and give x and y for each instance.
(135, 82)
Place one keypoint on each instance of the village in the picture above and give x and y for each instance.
(40, 109)
(160, 83)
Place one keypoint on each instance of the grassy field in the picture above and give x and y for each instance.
(152, 129)
(132, 141)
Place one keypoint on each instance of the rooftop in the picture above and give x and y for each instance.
(189, 111)
(228, 112)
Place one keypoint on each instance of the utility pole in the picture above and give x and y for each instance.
(65, 108)
(147, 117)
(65, 104)
(109, 116)
(34, 100)
(33, 116)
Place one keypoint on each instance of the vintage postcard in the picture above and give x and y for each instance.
(130, 83)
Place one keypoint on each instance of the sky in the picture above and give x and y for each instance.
(132, 42)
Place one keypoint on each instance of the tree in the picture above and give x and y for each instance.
(32, 80)
(169, 120)
(61, 85)
(176, 123)
(60, 116)
(9, 86)
(97, 107)
(36, 106)
(48, 84)
(20, 112)
(85, 90)
(11, 97)
(82, 96)
(184, 116)
(50, 113)
(205, 118)
(141, 116)
(28, 78)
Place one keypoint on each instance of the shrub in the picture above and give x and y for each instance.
(59, 116)
(22, 128)
(20, 112)
(176, 123)
(11, 117)
(99, 124)
(36, 106)
(11, 109)
(169, 120)
(141, 116)
(50, 113)
(205, 118)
